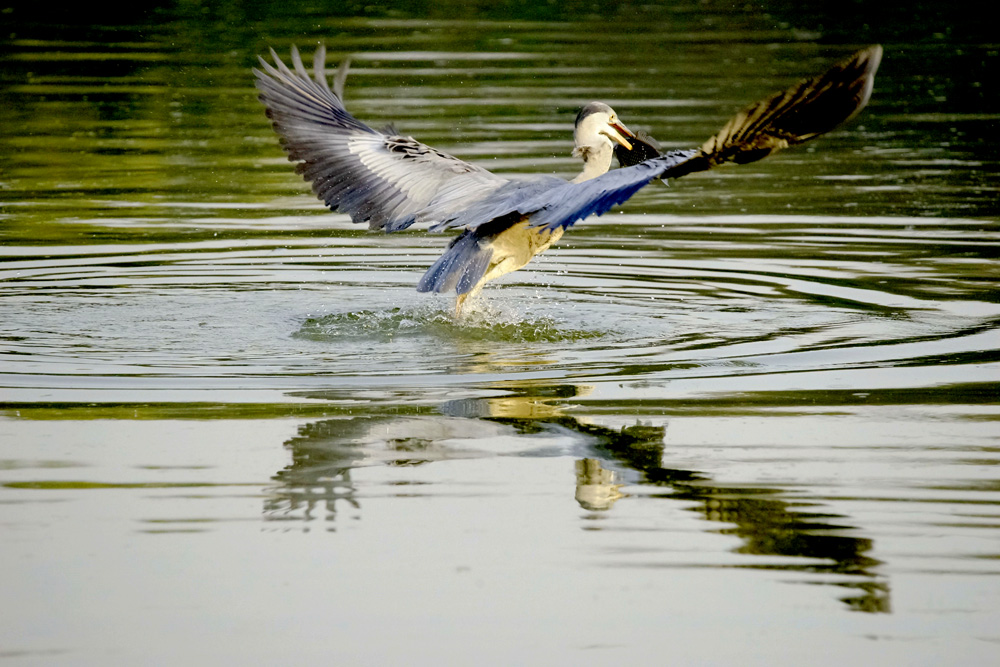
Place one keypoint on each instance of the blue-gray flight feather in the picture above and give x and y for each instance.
(552, 202)
(577, 201)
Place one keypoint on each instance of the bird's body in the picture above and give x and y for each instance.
(392, 181)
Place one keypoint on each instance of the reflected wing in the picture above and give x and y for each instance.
(384, 179)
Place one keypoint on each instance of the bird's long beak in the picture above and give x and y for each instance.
(618, 134)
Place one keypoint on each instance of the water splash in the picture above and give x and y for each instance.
(481, 320)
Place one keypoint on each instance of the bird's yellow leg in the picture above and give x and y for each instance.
(462, 298)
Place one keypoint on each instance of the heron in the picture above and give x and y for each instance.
(391, 181)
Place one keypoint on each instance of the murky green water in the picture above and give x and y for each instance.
(752, 418)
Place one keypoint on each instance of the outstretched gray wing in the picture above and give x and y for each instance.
(387, 180)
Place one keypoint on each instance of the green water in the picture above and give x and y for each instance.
(750, 418)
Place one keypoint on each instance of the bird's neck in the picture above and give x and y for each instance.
(596, 161)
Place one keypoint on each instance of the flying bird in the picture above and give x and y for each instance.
(392, 181)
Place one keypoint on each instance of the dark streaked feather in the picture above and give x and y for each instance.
(806, 110)
(802, 112)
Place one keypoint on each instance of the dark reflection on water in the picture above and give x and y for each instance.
(317, 484)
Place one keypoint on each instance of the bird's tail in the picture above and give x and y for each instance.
(462, 265)
(806, 110)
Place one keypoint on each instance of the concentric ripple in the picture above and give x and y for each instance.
(607, 305)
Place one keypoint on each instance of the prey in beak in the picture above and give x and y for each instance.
(617, 133)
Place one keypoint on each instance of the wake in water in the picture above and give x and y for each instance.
(481, 320)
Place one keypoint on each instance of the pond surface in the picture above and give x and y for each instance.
(749, 418)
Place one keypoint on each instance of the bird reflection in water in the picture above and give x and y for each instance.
(596, 487)
(607, 461)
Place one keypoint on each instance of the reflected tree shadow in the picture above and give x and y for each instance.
(317, 483)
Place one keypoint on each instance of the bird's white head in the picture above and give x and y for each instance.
(597, 126)
(596, 132)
